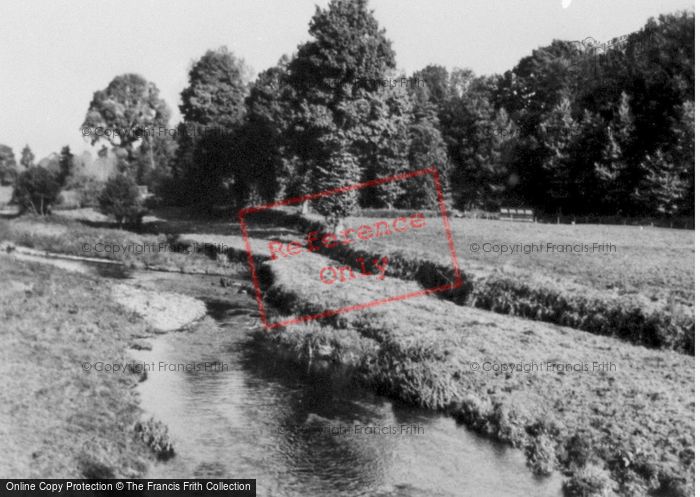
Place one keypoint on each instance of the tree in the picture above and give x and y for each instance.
(661, 190)
(120, 198)
(36, 189)
(27, 159)
(340, 170)
(268, 165)
(683, 153)
(613, 170)
(435, 81)
(378, 127)
(334, 77)
(213, 106)
(556, 134)
(65, 165)
(125, 113)
(8, 166)
(217, 89)
(154, 161)
(426, 145)
(479, 141)
(349, 53)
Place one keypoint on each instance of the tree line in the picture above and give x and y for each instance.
(565, 131)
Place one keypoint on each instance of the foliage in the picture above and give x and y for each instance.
(65, 165)
(479, 140)
(340, 110)
(27, 160)
(208, 158)
(120, 198)
(127, 112)
(36, 189)
(340, 170)
(8, 166)
(590, 481)
(88, 188)
(155, 435)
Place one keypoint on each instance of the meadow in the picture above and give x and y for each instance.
(655, 262)
(625, 427)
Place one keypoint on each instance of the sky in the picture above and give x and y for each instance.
(54, 54)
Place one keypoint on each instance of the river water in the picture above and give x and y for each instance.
(300, 433)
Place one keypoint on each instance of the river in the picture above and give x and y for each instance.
(301, 433)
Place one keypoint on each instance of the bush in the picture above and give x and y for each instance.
(541, 455)
(120, 198)
(155, 435)
(589, 481)
(36, 189)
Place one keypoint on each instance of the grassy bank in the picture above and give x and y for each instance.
(626, 310)
(63, 422)
(627, 428)
(139, 250)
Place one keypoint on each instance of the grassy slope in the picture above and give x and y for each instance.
(60, 421)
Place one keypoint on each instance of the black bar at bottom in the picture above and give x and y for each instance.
(128, 488)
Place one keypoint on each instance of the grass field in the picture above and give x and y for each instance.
(627, 429)
(655, 262)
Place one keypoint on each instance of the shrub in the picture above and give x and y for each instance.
(155, 435)
(579, 450)
(541, 455)
(120, 198)
(589, 481)
(36, 189)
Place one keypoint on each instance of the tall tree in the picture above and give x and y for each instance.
(268, 163)
(213, 108)
(613, 170)
(556, 133)
(65, 165)
(427, 147)
(478, 137)
(333, 75)
(661, 190)
(27, 159)
(127, 112)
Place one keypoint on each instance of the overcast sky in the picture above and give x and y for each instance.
(55, 54)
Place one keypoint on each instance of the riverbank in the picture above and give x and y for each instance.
(611, 415)
(69, 420)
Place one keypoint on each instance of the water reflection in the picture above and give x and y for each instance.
(305, 435)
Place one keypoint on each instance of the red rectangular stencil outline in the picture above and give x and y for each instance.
(332, 312)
